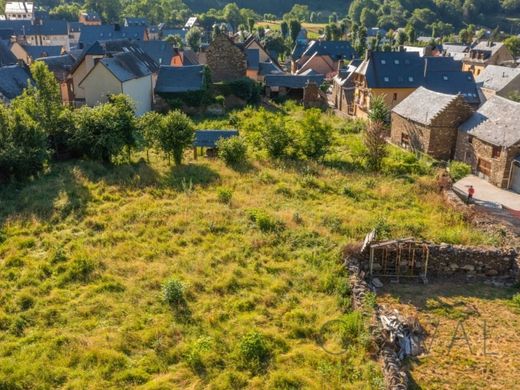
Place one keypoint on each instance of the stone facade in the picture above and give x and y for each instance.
(226, 61)
(437, 139)
(313, 97)
(494, 163)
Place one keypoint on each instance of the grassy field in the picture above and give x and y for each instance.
(313, 29)
(449, 310)
(86, 249)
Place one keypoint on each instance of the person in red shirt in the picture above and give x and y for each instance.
(471, 192)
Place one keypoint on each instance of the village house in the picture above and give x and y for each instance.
(490, 142)
(395, 75)
(161, 52)
(486, 53)
(184, 57)
(29, 53)
(74, 32)
(120, 73)
(323, 57)
(91, 34)
(98, 50)
(13, 80)
(343, 88)
(499, 80)
(45, 33)
(455, 50)
(427, 122)
(89, 18)
(19, 10)
(61, 66)
(290, 85)
(226, 60)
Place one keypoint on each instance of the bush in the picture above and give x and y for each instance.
(232, 150)
(516, 300)
(264, 222)
(173, 292)
(458, 170)
(224, 195)
(254, 352)
(315, 135)
(80, 270)
(175, 134)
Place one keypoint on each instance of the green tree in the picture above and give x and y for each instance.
(412, 37)
(110, 10)
(194, 38)
(374, 136)
(298, 12)
(315, 136)
(175, 134)
(175, 40)
(368, 17)
(148, 127)
(232, 15)
(251, 24)
(284, 28)
(513, 44)
(68, 12)
(295, 28)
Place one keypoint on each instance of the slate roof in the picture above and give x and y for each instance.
(91, 34)
(423, 105)
(292, 81)
(337, 50)
(266, 68)
(496, 77)
(209, 138)
(6, 56)
(49, 27)
(59, 65)
(6, 33)
(42, 51)
(298, 50)
(493, 47)
(253, 59)
(13, 80)
(19, 27)
(125, 67)
(496, 122)
(189, 57)
(160, 51)
(75, 27)
(409, 70)
(175, 79)
(135, 21)
(456, 51)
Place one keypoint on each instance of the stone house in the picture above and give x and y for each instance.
(121, 73)
(343, 88)
(60, 66)
(490, 142)
(290, 85)
(484, 54)
(226, 61)
(427, 122)
(499, 80)
(395, 75)
(29, 53)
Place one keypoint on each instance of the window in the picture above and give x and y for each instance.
(386, 79)
(445, 78)
(396, 62)
(410, 79)
(495, 153)
(383, 62)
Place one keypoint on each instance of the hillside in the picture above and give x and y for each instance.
(86, 249)
(269, 6)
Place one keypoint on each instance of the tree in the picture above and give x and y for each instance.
(148, 127)
(194, 38)
(328, 33)
(105, 131)
(513, 44)
(368, 17)
(68, 12)
(411, 34)
(401, 38)
(251, 24)
(175, 40)
(284, 28)
(232, 15)
(295, 28)
(315, 135)
(361, 43)
(298, 12)
(175, 134)
(110, 10)
(374, 136)
(23, 145)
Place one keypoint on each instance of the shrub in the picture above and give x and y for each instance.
(175, 135)
(264, 222)
(254, 352)
(516, 300)
(224, 195)
(220, 100)
(173, 292)
(354, 126)
(352, 328)
(315, 135)
(80, 270)
(232, 150)
(194, 357)
(458, 170)
(25, 302)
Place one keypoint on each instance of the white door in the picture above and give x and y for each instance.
(515, 177)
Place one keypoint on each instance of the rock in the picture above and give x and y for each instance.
(492, 272)
(469, 268)
(454, 266)
(377, 283)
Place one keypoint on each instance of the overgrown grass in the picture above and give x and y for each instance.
(144, 274)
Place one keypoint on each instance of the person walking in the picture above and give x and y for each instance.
(471, 193)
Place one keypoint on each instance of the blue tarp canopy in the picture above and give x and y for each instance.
(209, 138)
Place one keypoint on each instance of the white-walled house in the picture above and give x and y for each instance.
(120, 73)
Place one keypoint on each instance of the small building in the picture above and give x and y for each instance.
(226, 61)
(455, 50)
(13, 80)
(61, 66)
(427, 122)
(490, 142)
(206, 140)
(343, 88)
(90, 18)
(499, 80)
(172, 80)
(290, 85)
(121, 73)
(29, 53)
(486, 53)
(19, 10)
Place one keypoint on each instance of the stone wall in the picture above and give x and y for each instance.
(446, 260)
(226, 61)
